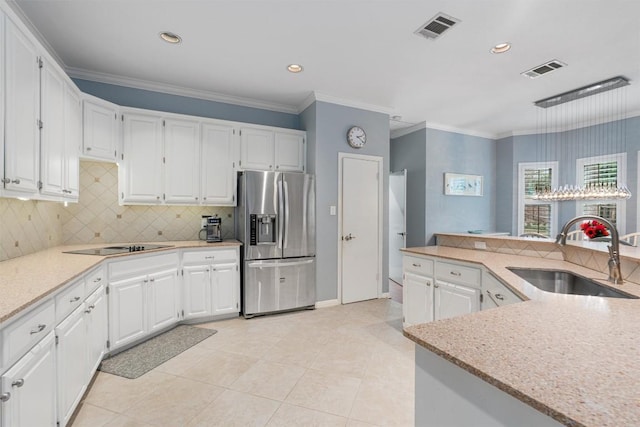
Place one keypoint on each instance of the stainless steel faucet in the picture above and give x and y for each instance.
(615, 276)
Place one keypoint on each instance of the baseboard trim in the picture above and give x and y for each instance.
(386, 295)
(327, 303)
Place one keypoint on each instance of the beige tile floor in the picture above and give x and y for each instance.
(346, 365)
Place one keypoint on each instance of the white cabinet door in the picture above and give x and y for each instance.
(141, 176)
(256, 149)
(218, 179)
(162, 299)
(99, 129)
(22, 112)
(72, 363)
(417, 299)
(72, 141)
(53, 136)
(127, 311)
(197, 291)
(289, 152)
(31, 384)
(97, 329)
(225, 288)
(182, 161)
(455, 300)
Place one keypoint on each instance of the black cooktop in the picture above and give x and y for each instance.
(114, 250)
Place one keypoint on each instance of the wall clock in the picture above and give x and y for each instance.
(356, 137)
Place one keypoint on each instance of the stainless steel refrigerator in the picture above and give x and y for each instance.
(275, 221)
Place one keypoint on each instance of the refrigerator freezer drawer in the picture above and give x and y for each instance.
(278, 285)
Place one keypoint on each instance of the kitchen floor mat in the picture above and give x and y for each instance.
(145, 356)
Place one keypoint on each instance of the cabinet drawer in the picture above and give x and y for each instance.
(209, 256)
(26, 331)
(94, 279)
(497, 292)
(69, 299)
(458, 273)
(417, 265)
(142, 264)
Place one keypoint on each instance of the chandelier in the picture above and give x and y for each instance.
(557, 120)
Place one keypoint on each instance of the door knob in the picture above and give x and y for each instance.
(402, 234)
(349, 237)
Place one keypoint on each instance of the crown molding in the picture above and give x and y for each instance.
(178, 90)
(397, 133)
(318, 96)
(453, 129)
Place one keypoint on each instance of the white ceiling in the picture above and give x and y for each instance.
(357, 52)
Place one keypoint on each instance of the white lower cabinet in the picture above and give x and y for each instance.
(144, 297)
(71, 335)
(453, 300)
(127, 311)
(97, 329)
(163, 299)
(434, 289)
(28, 394)
(211, 284)
(495, 293)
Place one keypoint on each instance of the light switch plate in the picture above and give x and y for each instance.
(332, 210)
(480, 245)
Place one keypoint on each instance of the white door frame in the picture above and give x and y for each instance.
(380, 162)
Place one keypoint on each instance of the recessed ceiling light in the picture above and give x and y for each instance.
(501, 48)
(294, 68)
(170, 37)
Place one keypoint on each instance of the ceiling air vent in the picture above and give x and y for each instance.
(436, 26)
(545, 68)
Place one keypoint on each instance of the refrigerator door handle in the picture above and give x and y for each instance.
(267, 264)
(286, 212)
(280, 213)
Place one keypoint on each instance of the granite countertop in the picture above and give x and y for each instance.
(575, 358)
(28, 279)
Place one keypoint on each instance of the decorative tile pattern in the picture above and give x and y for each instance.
(98, 218)
(28, 226)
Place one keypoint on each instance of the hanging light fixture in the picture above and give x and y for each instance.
(555, 133)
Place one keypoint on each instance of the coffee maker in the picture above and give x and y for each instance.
(213, 228)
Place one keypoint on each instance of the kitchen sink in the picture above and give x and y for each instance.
(565, 282)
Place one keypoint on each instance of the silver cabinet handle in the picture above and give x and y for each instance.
(97, 280)
(38, 329)
(5, 396)
(18, 383)
(210, 257)
(455, 273)
(428, 283)
(74, 299)
(495, 297)
(88, 149)
(90, 308)
(6, 180)
(15, 181)
(499, 296)
(146, 280)
(153, 279)
(436, 286)
(196, 198)
(416, 265)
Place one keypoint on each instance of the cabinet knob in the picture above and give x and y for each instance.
(18, 383)
(196, 198)
(5, 396)
(38, 329)
(157, 197)
(455, 273)
(152, 279)
(204, 198)
(88, 149)
(6, 180)
(428, 283)
(15, 181)
(436, 286)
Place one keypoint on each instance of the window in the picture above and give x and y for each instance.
(603, 170)
(536, 216)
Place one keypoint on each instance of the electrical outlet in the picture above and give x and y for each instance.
(480, 245)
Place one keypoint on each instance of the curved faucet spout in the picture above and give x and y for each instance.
(615, 275)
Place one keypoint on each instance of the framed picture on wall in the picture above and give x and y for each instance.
(456, 184)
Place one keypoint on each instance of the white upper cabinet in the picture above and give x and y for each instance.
(60, 135)
(181, 161)
(256, 149)
(140, 177)
(271, 150)
(100, 129)
(289, 151)
(217, 168)
(22, 106)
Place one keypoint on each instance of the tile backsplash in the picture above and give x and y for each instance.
(98, 218)
(28, 226)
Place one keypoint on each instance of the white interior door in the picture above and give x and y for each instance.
(361, 227)
(397, 223)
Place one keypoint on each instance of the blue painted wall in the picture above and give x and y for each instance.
(410, 152)
(566, 147)
(139, 98)
(327, 126)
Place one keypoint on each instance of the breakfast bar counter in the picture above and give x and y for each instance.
(573, 358)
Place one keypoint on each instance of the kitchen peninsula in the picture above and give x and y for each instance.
(572, 358)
